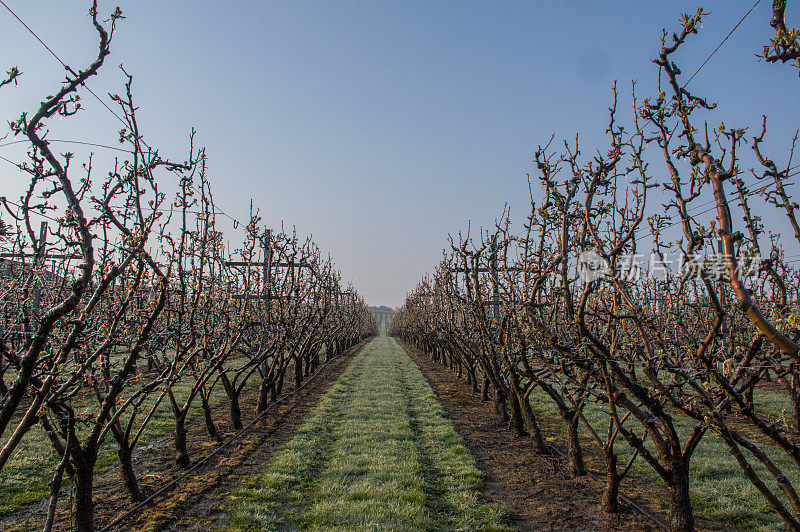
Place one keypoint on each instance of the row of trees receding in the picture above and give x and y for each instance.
(120, 298)
(564, 308)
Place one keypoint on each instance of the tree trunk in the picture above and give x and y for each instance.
(532, 424)
(794, 393)
(298, 372)
(82, 485)
(610, 501)
(273, 391)
(211, 427)
(328, 352)
(515, 405)
(681, 518)
(124, 452)
(55, 490)
(516, 415)
(236, 411)
(748, 395)
(263, 395)
(577, 467)
(279, 388)
(181, 453)
(500, 404)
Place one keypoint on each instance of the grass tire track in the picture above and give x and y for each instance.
(377, 453)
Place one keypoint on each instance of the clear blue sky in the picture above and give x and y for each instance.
(380, 127)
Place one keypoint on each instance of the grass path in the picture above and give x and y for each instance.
(378, 452)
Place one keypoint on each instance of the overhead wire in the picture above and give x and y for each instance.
(217, 210)
(721, 43)
(68, 68)
(67, 141)
(36, 36)
(234, 220)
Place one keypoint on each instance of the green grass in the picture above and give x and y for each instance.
(25, 477)
(378, 452)
(718, 484)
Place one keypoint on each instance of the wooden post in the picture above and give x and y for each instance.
(722, 299)
(37, 261)
(495, 298)
(495, 284)
(266, 242)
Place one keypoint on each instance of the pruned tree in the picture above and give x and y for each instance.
(784, 46)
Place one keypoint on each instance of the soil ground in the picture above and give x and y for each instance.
(535, 488)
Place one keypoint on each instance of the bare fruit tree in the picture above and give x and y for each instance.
(562, 312)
